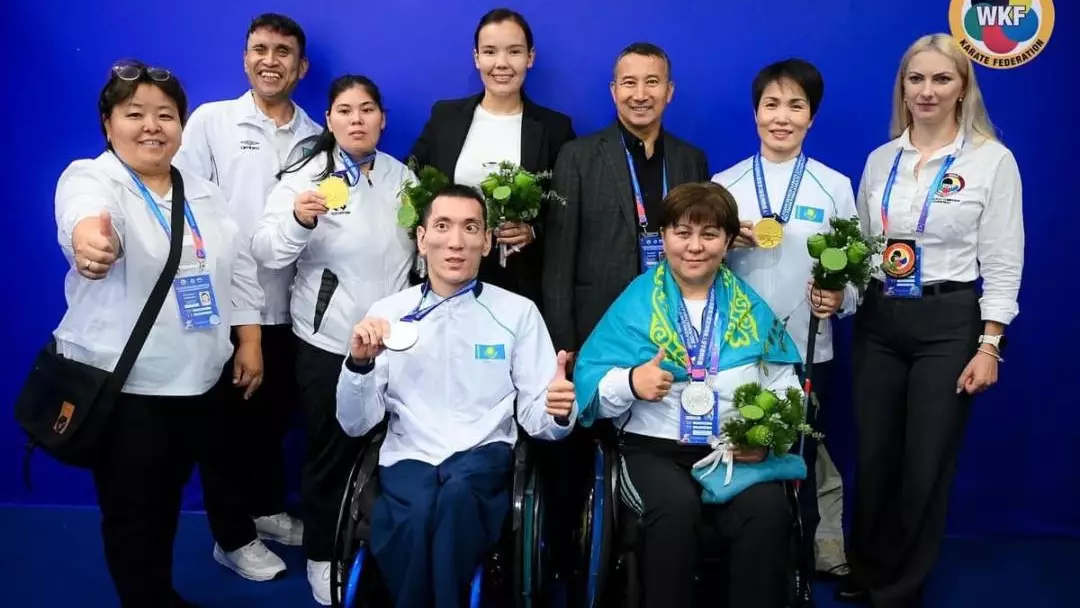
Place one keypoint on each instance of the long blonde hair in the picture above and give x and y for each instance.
(971, 115)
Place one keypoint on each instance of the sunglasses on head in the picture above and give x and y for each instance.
(132, 71)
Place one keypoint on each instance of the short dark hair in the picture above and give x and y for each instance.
(498, 15)
(282, 25)
(455, 191)
(702, 203)
(117, 90)
(647, 49)
(799, 71)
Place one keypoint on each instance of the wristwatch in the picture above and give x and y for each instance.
(997, 342)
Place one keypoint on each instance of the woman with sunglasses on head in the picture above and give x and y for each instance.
(113, 223)
(334, 214)
(947, 196)
(466, 139)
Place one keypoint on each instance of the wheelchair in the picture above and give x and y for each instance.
(515, 571)
(612, 576)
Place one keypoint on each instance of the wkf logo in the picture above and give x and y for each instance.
(1001, 34)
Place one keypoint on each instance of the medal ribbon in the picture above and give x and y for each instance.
(639, 201)
(934, 187)
(196, 235)
(420, 311)
(352, 167)
(792, 189)
(699, 344)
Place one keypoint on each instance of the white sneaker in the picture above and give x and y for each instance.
(318, 576)
(253, 561)
(280, 528)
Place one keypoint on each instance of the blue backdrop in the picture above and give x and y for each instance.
(1020, 458)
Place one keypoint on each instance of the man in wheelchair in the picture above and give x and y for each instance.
(663, 364)
(447, 361)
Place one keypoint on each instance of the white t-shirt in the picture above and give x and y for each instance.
(492, 139)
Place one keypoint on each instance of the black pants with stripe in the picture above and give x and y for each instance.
(330, 452)
(149, 450)
(753, 528)
(255, 430)
(908, 355)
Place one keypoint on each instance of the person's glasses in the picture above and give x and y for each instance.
(132, 71)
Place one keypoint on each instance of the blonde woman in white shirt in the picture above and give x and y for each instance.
(113, 223)
(802, 195)
(947, 195)
(334, 214)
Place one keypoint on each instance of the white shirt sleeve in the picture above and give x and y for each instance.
(532, 367)
(248, 297)
(81, 195)
(195, 154)
(615, 394)
(1001, 244)
(779, 378)
(278, 239)
(845, 209)
(361, 398)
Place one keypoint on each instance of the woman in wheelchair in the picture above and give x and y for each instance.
(664, 363)
(446, 361)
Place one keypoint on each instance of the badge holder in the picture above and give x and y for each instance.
(194, 290)
(651, 246)
(698, 417)
(902, 263)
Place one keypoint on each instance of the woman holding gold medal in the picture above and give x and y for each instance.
(946, 194)
(784, 198)
(334, 214)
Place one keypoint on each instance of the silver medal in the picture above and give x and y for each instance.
(402, 336)
(697, 399)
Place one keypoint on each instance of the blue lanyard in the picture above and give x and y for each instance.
(419, 313)
(792, 189)
(639, 201)
(700, 344)
(352, 168)
(934, 187)
(196, 235)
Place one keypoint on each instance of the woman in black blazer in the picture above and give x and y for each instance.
(466, 138)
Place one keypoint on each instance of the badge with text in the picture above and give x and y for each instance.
(651, 247)
(196, 301)
(903, 269)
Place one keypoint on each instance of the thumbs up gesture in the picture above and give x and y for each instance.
(96, 246)
(649, 381)
(560, 395)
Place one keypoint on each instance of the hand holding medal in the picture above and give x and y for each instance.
(368, 339)
(335, 192)
(650, 381)
(308, 207)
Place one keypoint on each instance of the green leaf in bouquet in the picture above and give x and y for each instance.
(834, 259)
(501, 193)
(407, 215)
(524, 179)
(816, 244)
(857, 252)
(751, 412)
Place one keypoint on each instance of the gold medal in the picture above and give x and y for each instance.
(335, 191)
(769, 233)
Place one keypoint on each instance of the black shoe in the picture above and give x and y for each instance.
(848, 591)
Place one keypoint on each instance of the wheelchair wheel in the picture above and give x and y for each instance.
(348, 549)
(597, 527)
(530, 567)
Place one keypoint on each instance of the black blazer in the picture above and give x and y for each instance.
(591, 249)
(543, 133)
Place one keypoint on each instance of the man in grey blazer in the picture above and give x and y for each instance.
(593, 242)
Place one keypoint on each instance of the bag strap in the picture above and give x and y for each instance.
(157, 296)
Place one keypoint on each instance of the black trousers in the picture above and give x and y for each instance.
(330, 452)
(150, 448)
(255, 430)
(808, 499)
(754, 528)
(908, 355)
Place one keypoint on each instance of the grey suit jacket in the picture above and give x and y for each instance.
(591, 250)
